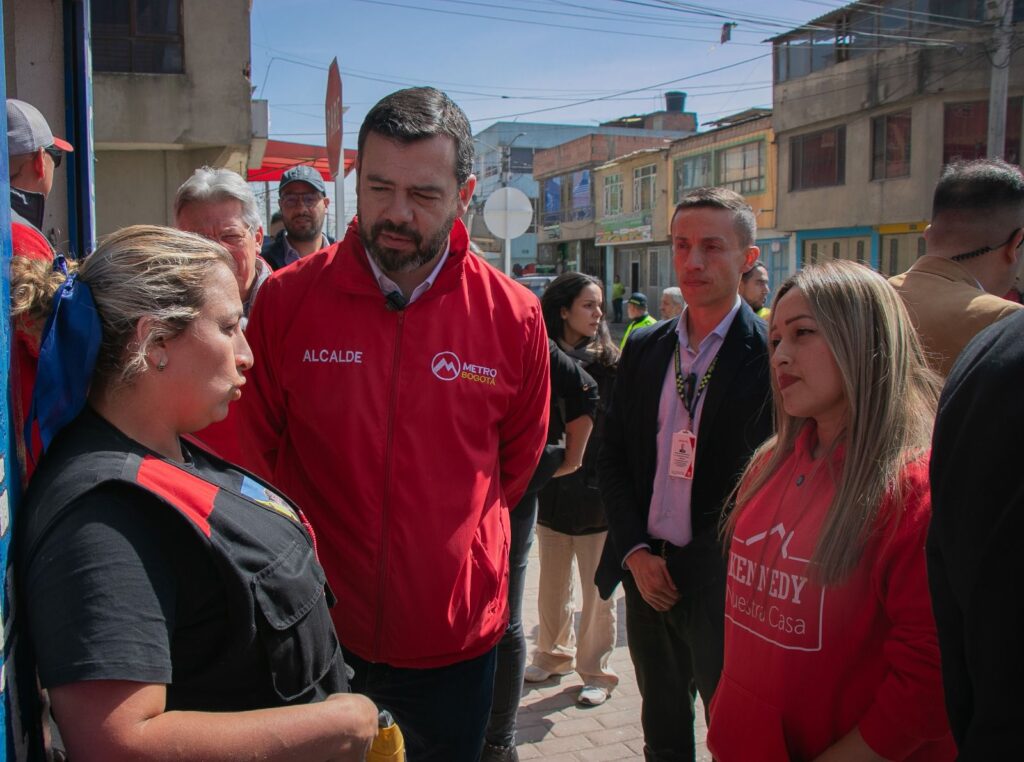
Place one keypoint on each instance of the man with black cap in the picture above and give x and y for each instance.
(636, 310)
(34, 155)
(303, 201)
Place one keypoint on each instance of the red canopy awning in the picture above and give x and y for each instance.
(281, 155)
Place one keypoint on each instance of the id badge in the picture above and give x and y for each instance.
(684, 451)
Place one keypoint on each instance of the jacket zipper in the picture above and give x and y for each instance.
(386, 502)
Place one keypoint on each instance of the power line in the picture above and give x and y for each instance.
(627, 92)
(463, 14)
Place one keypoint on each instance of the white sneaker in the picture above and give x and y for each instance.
(592, 695)
(535, 674)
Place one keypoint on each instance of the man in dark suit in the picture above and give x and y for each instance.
(974, 542)
(691, 403)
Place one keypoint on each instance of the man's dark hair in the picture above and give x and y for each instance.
(753, 268)
(418, 113)
(276, 217)
(723, 198)
(979, 185)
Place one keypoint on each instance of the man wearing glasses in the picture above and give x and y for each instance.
(303, 201)
(973, 256)
(34, 155)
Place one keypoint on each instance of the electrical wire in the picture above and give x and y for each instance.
(463, 14)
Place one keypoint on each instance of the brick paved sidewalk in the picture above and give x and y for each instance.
(553, 728)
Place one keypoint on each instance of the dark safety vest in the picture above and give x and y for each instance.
(276, 595)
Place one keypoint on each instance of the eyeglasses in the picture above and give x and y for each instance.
(56, 154)
(986, 249)
(294, 200)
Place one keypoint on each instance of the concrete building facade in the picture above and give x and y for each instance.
(631, 197)
(870, 102)
(171, 93)
(504, 157)
(568, 238)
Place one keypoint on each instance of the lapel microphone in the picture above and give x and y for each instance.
(396, 301)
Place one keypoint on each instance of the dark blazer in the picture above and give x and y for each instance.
(275, 249)
(974, 542)
(737, 417)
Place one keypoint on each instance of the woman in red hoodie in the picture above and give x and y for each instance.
(830, 645)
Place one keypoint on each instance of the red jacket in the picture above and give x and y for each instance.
(805, 665)
(405, 437)
(28, 242)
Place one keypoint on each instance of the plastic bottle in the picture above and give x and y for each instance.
(388, 746)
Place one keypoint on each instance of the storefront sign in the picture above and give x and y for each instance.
(624, 228)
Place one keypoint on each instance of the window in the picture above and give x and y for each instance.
(692, 172)
(140, 36)
(612, 194)
(741, 168)
(965, 131)
(643, 187)
(552, 201)
(818, 160)
(520, 161)
(890, 146)
(652, 268)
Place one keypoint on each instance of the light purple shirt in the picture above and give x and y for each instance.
(669, 517)
(387, 285)
(291, 254)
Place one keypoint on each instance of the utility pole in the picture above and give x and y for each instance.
(506, 181)
(1001, 12)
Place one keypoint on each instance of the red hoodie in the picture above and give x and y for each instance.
(405, 437)
(805, 665)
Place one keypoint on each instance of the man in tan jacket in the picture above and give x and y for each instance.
(973, 256)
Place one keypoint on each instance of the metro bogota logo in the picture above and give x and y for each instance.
(448, 367)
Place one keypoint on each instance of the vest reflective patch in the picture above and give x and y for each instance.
(189, 494)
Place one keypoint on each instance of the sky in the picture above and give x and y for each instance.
(554, 61)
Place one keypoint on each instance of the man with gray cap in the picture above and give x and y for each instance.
(34, 155)
(303, 201)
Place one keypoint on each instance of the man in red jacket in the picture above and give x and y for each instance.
(35, 154)
(399, 395)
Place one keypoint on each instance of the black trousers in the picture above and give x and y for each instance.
(671, 652)
(441, 712)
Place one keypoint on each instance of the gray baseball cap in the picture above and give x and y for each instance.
(27, 130)
(303, 173)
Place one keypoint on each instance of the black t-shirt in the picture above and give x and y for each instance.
(122, 588)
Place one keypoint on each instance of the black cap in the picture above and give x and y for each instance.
(640, 300)
(302, 173)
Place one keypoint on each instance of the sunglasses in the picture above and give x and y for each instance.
(56, 154)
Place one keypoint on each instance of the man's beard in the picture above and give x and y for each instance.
(394, 261)
(311, 233)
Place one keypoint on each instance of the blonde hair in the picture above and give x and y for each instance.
(33, 285)
(136, 272)
(891, 398)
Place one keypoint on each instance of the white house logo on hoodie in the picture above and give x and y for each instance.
(448, 367)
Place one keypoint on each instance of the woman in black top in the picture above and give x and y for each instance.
(571, 521)
(174, 603)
